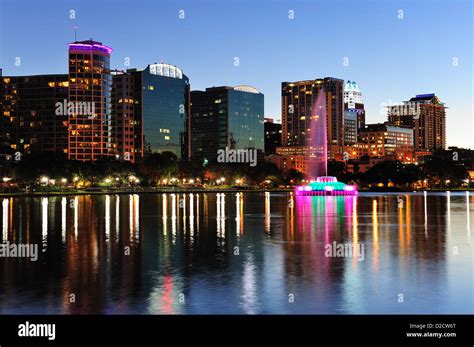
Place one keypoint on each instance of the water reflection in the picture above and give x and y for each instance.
(176, 253)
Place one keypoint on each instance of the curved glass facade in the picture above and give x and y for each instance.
(165, 109)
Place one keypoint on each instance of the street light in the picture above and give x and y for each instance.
(44, 179)
(6, 179)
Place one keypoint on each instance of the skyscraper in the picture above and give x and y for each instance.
(354, 112)
(272, 136)
(162, 103)
(426, 115)
(90, 87)
(298, 100)
(127, 123)
(29, 121)
(223, 117)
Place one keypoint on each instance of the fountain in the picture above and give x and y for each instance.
(321, 183)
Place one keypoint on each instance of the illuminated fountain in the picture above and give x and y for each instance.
(317, 163)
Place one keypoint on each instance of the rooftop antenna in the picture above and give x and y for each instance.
(75, 34)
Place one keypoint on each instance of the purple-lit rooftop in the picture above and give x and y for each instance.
(90, 45)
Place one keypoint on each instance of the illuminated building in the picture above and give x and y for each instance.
(226, 117)
(162, 103)
(426, 115)
(272, 136)
(354, 112)
(127, 125)
(298, 100)
(388, 141)
(90, 131)
(28, 118)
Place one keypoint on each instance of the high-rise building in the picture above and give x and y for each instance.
(354, 112)
(162, 104)
(226, 117)
(426, 115)
(90, 131)
(30, 119)
(272, 136)
(127, 124)
(387, 141)
(299, 99)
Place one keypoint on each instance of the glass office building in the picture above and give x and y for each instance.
(223, 117)
(162, 94)
(28, 118)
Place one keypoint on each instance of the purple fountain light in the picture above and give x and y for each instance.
(316, 140)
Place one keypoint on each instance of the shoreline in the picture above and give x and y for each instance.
(198, 190)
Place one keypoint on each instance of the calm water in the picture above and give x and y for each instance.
(239, 253)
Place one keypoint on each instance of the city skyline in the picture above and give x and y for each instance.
(260, 54)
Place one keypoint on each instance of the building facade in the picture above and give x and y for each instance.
(127, 125)
(426, 115)
(226, 117)
(298, 103)
(354, 112)
(90, 133)
(272, 136)
(387, 141)
(162, 93)
(30, 107)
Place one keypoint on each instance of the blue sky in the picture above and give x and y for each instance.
(392, 59)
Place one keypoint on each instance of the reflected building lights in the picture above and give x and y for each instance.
(197, 211)
(5, 204)
(76, 216)
(165, 213)
(237, 214)
(220, 220)
(249, 286)
(107, 217)
(63, 218)
(191, 215)
(182, 207)
(355, 231)
(267, 213)
(375, 234)
(291, 217)
(426, 213)
(173, 218)
(117, 217)
(44, 222)
(408, 223)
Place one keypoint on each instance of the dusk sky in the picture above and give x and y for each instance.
(429, 50)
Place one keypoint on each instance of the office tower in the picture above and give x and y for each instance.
(127, 123)
(30, 119)
(298, 100)
(354, 112)
(90, 87)
(162, 103)
(350, 126)
(426, 115)
(272, 136)
(226, 117)
(387, 141)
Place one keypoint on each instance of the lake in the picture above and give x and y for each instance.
(239, 253)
